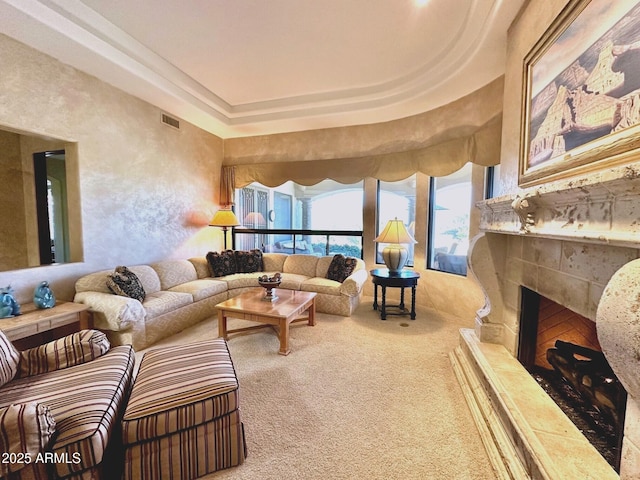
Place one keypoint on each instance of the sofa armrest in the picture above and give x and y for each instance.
(25, 430)
(112, 312)
(352, 285)
(75, 349)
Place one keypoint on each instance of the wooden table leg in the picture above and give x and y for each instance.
(312, 313)
(413, 302)
(375, 296)
(383, 313)
(284, 337)
(222, 324)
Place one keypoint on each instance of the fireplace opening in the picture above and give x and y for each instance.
(560, 349)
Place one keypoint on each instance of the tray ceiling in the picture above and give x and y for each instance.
(251, 67)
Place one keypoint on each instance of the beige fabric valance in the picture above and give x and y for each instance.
(481, 147)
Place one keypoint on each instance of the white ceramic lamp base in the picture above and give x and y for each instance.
(395, 257)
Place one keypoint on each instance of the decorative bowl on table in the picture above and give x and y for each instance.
(269, 283)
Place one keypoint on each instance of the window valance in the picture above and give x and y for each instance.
(480, 146)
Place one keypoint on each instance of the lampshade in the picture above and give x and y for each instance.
(254, 219)
(224, 218)
(395, 232)
(394, 254)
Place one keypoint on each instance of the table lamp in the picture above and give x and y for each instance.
(224, 218)
(395, 255)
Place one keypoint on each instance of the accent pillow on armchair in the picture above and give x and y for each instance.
(9, 360)
(74, 349)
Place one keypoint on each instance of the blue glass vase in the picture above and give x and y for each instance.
(43, 297)
(8, 305)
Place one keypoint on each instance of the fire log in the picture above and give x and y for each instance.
(593, 378)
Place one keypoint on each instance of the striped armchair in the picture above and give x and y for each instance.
(60, 404)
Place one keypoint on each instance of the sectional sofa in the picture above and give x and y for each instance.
(181, 293)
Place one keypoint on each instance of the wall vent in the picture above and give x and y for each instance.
(170, 121)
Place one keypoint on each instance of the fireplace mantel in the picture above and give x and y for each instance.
(602, 208)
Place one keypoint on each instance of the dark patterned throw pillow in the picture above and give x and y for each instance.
(341, 267)
(126, 283)
(221, 264)
(249, 261)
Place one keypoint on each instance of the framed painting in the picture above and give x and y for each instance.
(581, 102)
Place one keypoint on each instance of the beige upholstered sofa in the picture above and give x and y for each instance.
(60, 407)
(180, 293)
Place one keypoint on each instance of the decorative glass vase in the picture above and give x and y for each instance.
(8, 305)
(43, 297)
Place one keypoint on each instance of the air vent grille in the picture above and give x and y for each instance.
(170, 121)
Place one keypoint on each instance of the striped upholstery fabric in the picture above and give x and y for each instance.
(183, 419)
(25, 428)
(86, 401)
(74, 349)
(9, 360)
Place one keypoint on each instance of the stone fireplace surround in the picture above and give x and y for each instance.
(577, 243)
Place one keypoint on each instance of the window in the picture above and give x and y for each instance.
(491, 181)
(449, 208)
(321, 219)
(397, 200)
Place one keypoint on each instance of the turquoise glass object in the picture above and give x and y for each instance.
(8, 305)
(43, 297)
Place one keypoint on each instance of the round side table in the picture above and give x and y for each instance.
(405, 278)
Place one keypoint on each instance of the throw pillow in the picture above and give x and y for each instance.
(74, 349)
(221, 264)
(9, 360)
(25, 428)
(341, 267)
(125, 283)
(249, 262)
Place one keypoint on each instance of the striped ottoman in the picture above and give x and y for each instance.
(183, 417)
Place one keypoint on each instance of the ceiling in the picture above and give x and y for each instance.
(252, 67)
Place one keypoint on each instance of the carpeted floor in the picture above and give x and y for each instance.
(357, 398)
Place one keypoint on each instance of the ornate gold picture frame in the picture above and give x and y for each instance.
(581, 101)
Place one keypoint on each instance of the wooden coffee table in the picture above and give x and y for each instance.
(287, 309)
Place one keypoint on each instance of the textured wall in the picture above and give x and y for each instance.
(13, 253)
(530, 26)
(146, 190)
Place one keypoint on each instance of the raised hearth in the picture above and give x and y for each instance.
(575, 242)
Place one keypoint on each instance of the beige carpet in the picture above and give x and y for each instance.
(357, 398)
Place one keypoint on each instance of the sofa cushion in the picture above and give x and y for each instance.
(94, 282)
(321, 285)
(341, 267)
(201, 289)
(248, 261)
(292, 281)
(221, 264)
(174, 272)
(179, 387)
(25, 429)
(125, 283)
(159, 303)
(79, 347)
(9, 360)
(301, 265)
(322, 266)
(273, 262)
(241, 280)
(85, 400)
(201, 265)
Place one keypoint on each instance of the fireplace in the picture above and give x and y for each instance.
(575, 242)
(561, 351)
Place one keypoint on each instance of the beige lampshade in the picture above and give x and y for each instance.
(395, 232)
(254, 219)
(224, 218)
